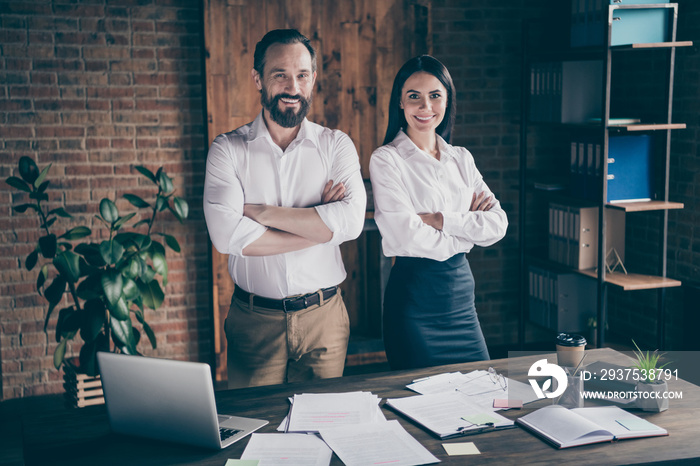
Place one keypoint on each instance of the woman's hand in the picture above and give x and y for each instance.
(482, 202)
(434, 220)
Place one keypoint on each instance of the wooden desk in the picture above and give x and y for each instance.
(41, 431)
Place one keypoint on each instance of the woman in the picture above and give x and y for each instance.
(431, 206)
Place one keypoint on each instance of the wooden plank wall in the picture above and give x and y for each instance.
(361, 44)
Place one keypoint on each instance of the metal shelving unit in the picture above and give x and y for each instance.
(603, 128)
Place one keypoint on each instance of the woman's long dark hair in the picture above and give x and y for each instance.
(397, 119)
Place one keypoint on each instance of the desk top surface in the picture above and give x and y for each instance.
(40, 430)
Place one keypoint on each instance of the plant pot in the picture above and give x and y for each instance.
(650, 396)
(81, 389)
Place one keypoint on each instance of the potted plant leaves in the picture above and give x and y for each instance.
(110, 281)
(651, 385)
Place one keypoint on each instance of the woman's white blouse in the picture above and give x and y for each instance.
(407, 182)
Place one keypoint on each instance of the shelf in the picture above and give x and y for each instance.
(633, 281)
(648, 126)
(654, 45)
(645, 206)
(596, 125)
(628, 282)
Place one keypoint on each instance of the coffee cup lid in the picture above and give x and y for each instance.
(570, 339)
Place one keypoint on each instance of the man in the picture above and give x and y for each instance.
(281, 194)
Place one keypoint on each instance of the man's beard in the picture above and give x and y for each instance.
(286, 118)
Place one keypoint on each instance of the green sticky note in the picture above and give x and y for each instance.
(480, 419)
(242, 463)
(466, 448)
(636, 424)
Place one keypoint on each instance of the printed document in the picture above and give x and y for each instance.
(313, 411)
(287, 450)
(449, 414)
(380, 443)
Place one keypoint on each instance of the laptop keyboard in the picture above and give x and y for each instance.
(225, 433)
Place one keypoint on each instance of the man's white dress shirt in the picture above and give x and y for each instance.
(407, 182)
(245, 166)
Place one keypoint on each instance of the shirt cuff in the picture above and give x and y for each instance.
(247, 232)
(452, 223)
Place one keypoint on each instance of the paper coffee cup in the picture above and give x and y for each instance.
(570, 349)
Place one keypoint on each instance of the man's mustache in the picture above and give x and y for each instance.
(288, 96)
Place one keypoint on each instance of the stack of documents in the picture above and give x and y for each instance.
(313, 411)
(477, 386)
(351, 424)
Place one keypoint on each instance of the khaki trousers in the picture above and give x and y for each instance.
(268, 346)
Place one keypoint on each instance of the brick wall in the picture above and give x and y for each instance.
(95, 89)
(480, 43)
(684, 226)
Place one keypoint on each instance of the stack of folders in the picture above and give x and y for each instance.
(560, 301)
(565, 92)
(573, 235)
(589, 21)
(565, 428)
(629, 162)
(345, 422)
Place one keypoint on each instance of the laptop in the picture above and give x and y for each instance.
(167, 400)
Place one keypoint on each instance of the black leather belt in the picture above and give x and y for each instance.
(288, 304)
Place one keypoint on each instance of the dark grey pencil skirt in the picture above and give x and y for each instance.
(429, 314)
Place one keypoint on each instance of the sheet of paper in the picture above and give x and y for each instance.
(378, 416)
(242, 463)
(287, 450)
(310, 412)
(478, 385)
(464, 448)
(508, 404)
(440, 383)
(636, 424)
(443, 413)
(379, 443)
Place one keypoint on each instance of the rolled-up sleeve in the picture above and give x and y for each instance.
(229, 230)
(482, 228)
(345, 218)
(403, 231)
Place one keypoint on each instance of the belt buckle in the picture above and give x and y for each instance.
(288, 300)
(292, 300)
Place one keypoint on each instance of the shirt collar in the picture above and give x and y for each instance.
(258, 130)
(408, 149)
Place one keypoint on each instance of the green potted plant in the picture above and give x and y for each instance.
(651, 384)
(109, 282)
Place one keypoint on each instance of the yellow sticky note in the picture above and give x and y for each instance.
(465, 448)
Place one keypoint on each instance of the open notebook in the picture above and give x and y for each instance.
(566, 428)
(167, 400)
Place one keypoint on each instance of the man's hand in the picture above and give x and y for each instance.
(332, 193)
(435, 220)
(255, 212)
(261, 212)
(482, 202)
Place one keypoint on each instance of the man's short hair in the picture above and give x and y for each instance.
(280, 36)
